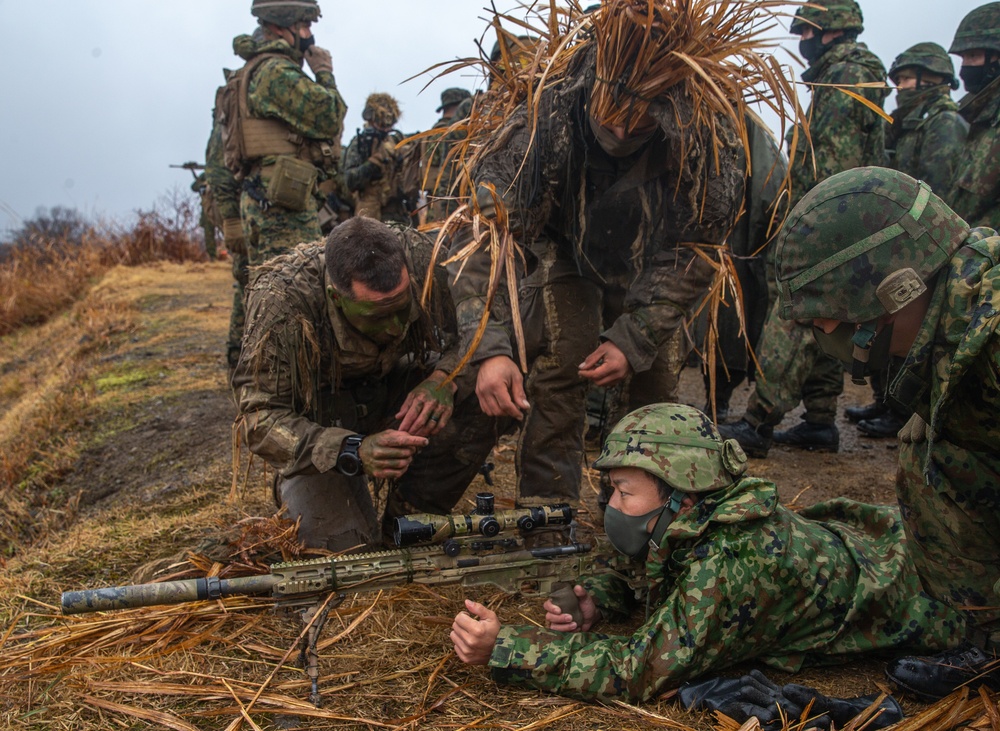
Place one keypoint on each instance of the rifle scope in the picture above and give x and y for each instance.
(419, 528)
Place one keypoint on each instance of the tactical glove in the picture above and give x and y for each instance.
(755, 695)
(914, 431)
(232, 235)
(319, 60)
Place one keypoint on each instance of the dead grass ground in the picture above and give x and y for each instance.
(137, 467)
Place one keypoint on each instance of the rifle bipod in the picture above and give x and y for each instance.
(314, 618)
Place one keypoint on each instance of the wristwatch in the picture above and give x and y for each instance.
(349, 461)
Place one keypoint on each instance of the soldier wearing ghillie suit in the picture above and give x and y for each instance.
(844, 134)
(610, 205)
(438, 170)
(281, 129)
(724, 573)
(975, 191)
(881, 267)
(342, 379)
(924, 141)
(226, 195)
(378, 170)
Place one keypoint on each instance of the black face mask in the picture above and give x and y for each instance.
(812, 49)
(977, 78)
(306, 43)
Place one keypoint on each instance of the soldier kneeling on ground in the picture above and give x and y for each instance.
(342, 378)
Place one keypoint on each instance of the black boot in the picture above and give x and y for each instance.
(887, 425)
(869, 411)
(933, 677)
(755, 441)
(819, 437)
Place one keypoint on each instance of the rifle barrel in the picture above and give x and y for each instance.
(167, 592)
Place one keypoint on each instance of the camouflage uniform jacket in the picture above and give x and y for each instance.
(925, 141)
(630, 221)
(975, 194)
(304, 369)
(739, 576)
(845, 133)
(280, 89)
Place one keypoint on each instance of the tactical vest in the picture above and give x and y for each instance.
(246, 138)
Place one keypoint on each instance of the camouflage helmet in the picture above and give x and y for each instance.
(830, 15)
(381, 110)
(285, 13)
(980, 29)
(676, 443)
(928, 57)
(861, 244)
(453, 96)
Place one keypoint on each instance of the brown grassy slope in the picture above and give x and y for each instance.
(135, 455)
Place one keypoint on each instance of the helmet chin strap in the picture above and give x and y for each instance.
(670, 509)
(862, 340)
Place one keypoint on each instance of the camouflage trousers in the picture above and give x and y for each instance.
(793, 368)
(563, 315)
(951, 517)
(241, 275)
(274, 230)
(337, 511)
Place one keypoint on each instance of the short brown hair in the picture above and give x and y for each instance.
(367, 251)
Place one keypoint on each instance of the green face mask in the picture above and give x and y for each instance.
(381, 322)
(844, 344)
(628, 533)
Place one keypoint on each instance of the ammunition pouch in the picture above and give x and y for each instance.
(266, 137)
(291, 183)
(232, 235)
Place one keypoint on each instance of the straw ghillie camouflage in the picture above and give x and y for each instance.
(850, 233)
(678, 444)
(980, 29)
(832, 15)
(381, 110)
(927, 57)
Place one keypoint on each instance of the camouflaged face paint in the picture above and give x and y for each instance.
(383, 321)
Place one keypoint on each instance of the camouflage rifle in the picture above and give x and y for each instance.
(468, 550)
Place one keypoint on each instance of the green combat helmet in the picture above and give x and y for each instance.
(980, 29)
(862, 244)
(381, 110)
(452, 96)
(837, 15)
(676, 443)
(928, 57)
(285, 13)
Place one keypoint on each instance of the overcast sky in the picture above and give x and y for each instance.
(99, 97)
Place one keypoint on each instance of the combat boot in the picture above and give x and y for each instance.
(867, 412)
(887, 425)
(933, 677)
(756, 441)
(818, 437)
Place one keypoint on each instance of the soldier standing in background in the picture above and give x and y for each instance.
(281, 130)
(378, 169)
(924, 141)
(439, 179)
(845, 134)
(975, 192)
(226, 195)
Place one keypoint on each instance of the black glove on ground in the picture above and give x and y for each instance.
(755, 695)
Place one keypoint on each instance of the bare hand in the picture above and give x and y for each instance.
(428, 407)
(319, 59)
(500, 388)
(474, 638)
(605, 366)
(388, 453)
(556, 619)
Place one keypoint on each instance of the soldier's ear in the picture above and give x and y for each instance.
(334, 295)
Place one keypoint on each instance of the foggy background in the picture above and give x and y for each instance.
(99, 97)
